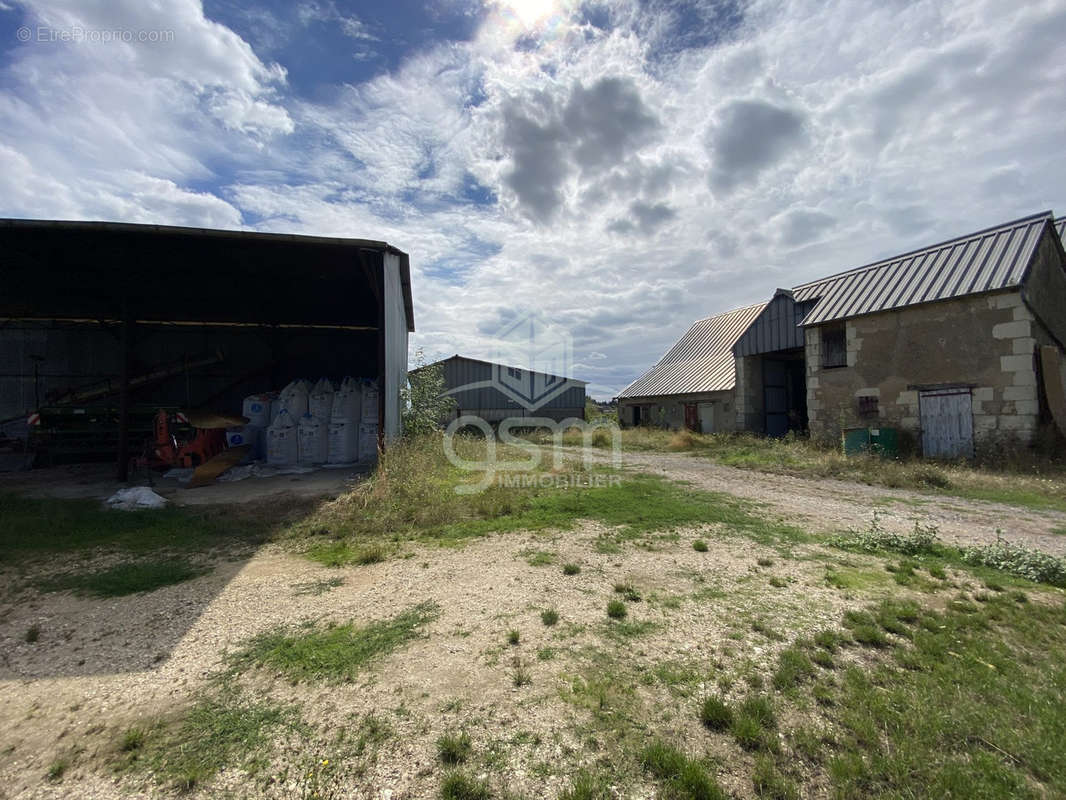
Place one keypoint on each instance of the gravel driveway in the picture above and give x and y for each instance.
(825, 505)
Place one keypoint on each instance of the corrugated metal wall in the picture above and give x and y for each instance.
(776, 328)
(395, 345)
(463, 371)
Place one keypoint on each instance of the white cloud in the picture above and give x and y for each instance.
(639, 187)
(100, 117)
(326, 11)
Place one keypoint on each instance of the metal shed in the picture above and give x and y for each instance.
(479, 389)
(196, 317)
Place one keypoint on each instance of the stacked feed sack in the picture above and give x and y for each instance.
(344, 424)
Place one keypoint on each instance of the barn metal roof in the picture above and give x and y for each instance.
(701, 361)
(74, 269)
(458, 357)
(1060, 226)
(992, 259)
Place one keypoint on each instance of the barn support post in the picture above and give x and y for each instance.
(381, 363)
(126, 345)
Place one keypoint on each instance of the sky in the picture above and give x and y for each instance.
(621, 169)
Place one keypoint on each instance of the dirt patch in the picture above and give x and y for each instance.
(100, 666)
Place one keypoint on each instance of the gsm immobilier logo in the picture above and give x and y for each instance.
(532, 361)
(531, 364)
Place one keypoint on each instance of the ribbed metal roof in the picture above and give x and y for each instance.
(701, 361)
(1060, 226)
(985, 261)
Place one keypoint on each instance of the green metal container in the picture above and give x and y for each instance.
(885, 442)
(855, 441)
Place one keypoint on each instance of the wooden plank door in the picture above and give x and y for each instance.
(692, 419)
(947, 423)
(707, 418)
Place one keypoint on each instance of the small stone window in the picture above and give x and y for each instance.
(834, 347)
(867, 405)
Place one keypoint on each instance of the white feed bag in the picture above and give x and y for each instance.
(368, 441)
(346, 403)
(246, 435)
(257, 407)
(343, 446)
(320, 402)
(293, 398)
(282, 440)
(313, 435)
(370, 402)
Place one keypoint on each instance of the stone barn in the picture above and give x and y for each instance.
(959, 347)
(693, 384)
(945, 343)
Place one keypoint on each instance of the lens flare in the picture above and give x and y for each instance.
(529, 12)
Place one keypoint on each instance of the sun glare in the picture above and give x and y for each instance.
(529, 12)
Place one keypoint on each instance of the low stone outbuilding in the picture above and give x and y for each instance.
(692, 385)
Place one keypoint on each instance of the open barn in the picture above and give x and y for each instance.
(103, 323)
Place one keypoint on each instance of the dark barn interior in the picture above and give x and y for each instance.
(110, 321)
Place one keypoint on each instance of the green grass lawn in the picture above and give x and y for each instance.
(124, 579)
(970, 702)
(159, 547)
(413, 497)
(42, 528)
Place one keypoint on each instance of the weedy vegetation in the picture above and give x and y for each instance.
(332, 652)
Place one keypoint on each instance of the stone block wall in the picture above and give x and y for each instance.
(669, 410)
(987, 342)
(749, 394)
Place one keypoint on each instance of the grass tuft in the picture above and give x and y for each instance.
(683, 778)
(769, 783)
(616, 609)
(793, 667)
(334, 653)
(571, 569)
(221, 730)
(520, 676)
(628, 591)
(753, 724)
(57, 769)
(343, 553)
(454, 749)
(699, 546)
(588, 786)
(132, 739)
(549, 616)
(715, 714)
(459, 786)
